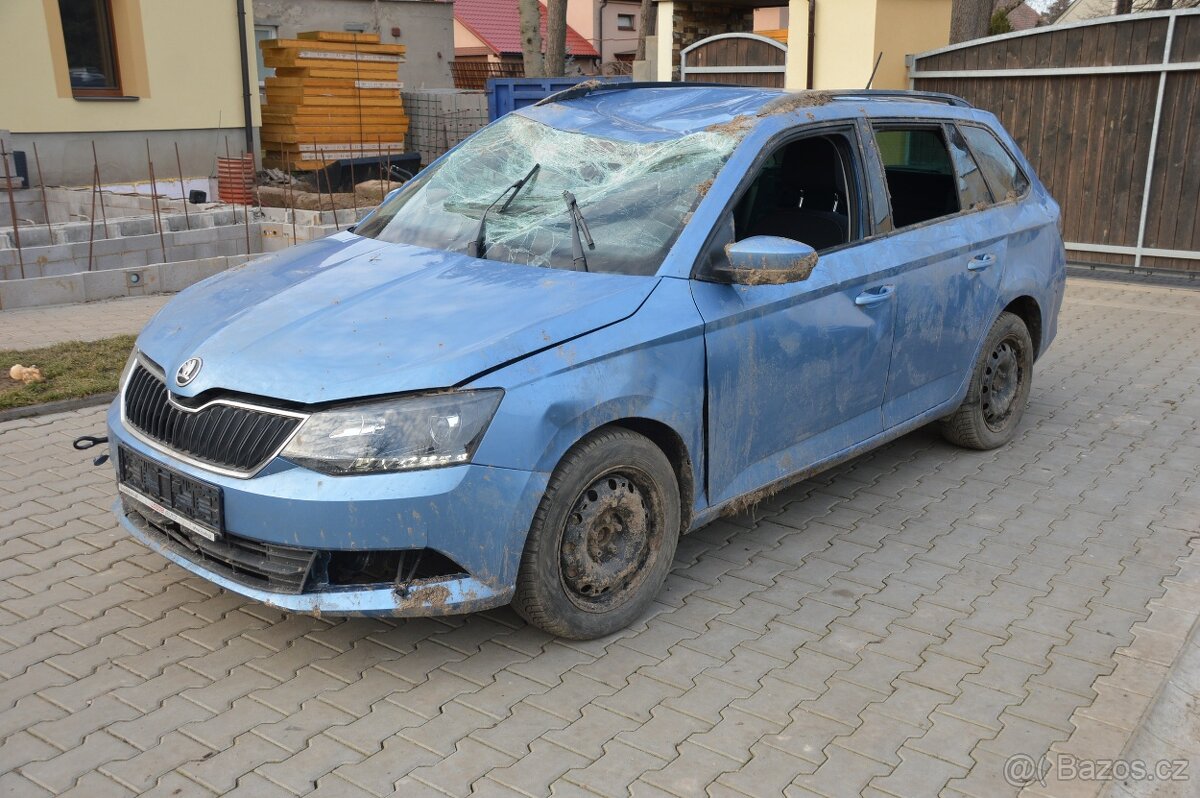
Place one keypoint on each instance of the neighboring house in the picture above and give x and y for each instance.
(1086, 9)
(425, 27)
(1022, 17)
(611, 26)
(119, 72)
(847, 37)
(490, 31)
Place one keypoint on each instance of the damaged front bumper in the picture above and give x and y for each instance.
(293, 538)
(426, 598)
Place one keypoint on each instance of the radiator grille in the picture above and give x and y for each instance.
(225, 435)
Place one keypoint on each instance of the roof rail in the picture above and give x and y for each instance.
(589, 86)
(897, 94)
(598, 84)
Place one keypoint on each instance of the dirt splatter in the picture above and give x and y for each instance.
(980, 206)
(703, 188)
(795, 100)
(799, 269)
(738, 126)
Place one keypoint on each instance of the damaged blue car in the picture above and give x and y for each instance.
(592, 327)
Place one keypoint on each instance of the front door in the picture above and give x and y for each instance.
(797, 372)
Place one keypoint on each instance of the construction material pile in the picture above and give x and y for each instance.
(334, 95)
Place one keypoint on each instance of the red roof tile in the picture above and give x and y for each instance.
(498, 24)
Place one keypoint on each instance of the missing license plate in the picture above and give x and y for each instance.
(194, 505)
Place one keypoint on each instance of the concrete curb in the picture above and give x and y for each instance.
(62, 406)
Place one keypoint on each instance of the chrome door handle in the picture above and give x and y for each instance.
(980, 262)
(873, 296)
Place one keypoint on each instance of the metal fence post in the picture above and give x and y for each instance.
(1158, 107)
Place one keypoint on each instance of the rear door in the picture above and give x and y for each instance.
(948, 260)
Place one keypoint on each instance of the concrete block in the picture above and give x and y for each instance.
(178, 276)
(136, 227)
(203, 236)
(33, 236)
(41, 291)
(104, 284)
(180, 252)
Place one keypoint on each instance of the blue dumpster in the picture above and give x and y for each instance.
(509, 94)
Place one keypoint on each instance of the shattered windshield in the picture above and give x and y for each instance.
(634, 196)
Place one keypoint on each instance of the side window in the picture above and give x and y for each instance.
(921, 177)
(972, 188)
(1002, 173)
(807, 190)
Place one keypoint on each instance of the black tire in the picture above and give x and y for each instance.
(999, 391)
(603, 537)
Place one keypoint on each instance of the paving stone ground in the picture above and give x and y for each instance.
(899, 626)
(28, 328)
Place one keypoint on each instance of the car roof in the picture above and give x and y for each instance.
(660, 111)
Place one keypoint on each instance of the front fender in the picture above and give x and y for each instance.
(649, 366)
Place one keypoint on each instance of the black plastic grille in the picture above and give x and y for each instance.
(281, 569)
(229, 436)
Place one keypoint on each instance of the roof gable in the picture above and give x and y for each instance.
(497, 23)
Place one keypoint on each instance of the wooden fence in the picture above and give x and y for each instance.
(745, 59)
(1108, 112)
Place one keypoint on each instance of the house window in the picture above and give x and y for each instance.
(264, 33)
(625, 22)
(91, 47)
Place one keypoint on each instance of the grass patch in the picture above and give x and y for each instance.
(72, 370)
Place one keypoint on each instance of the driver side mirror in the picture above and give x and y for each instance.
(767, 260)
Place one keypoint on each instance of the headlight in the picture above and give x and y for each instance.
(398, 435)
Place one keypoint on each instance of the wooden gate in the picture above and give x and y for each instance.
(1107, 112)
(746, 59)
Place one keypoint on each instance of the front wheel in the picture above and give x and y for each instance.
(999, 389)
(603, 537)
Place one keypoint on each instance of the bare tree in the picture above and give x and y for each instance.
(645, 18)
(969, 19)
(1056, 10)
(556, 38)
(1124, 7)
(531, 38)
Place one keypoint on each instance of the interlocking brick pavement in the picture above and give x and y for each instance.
(29, 328)
(899, 626)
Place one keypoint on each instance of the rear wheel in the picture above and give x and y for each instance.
(603, 537)
(999, 391)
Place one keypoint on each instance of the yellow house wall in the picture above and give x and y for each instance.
(178, 57)
(903, 27)
(845, 43)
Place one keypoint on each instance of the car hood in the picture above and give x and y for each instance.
(347, 317)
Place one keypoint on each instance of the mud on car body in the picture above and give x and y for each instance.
(594, 326)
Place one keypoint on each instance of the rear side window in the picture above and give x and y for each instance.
(972, 188)
(1002, 173)
(920, 174)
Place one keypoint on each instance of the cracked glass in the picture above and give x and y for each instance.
(635, 196)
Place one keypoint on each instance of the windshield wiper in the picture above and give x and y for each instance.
(478, 247)
(578, 226)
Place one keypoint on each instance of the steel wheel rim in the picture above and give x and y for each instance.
(610, 536)
(1001, 381)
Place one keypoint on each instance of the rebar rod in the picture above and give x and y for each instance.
(99, 189)
(12, 209)
(45, 205)
(182, 188)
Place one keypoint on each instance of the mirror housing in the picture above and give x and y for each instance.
(767, 260)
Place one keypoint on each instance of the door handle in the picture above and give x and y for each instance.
(873, 296)
(980, 262)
